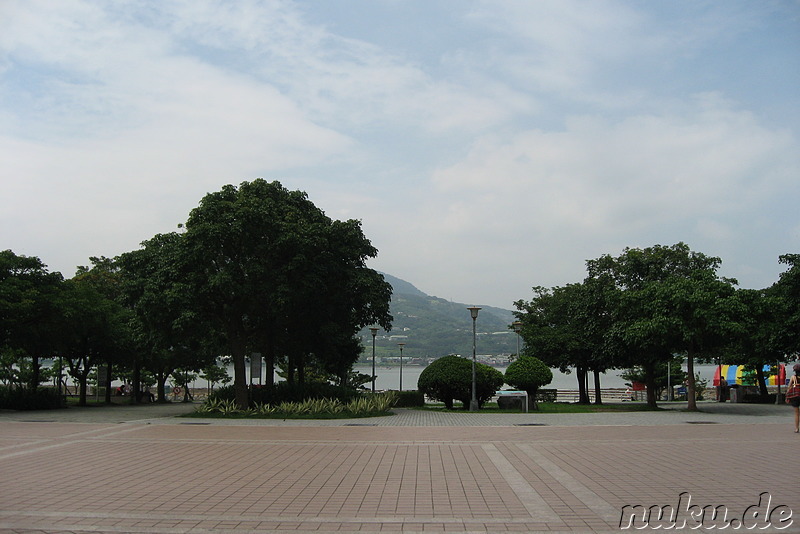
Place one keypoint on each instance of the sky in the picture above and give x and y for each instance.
(486, 146)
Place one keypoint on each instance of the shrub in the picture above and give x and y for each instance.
(288, 392)
(30, 399)
(359, 406)
(408, 399)
(528, 374)
(450, 378)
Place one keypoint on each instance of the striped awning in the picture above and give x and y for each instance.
(736, 374)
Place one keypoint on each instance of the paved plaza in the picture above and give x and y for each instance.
(142, 469)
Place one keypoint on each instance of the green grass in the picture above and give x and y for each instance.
(552, 407)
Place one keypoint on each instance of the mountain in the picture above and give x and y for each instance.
(432, 327)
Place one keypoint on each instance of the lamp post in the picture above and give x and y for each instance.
(473, 310)
(401, 345)
(374, 330)
(518, 329)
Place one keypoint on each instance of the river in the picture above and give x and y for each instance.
(388, 377)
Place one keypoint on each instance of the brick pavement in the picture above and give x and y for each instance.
(178, 477)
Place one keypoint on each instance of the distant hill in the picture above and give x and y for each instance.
(432, 327)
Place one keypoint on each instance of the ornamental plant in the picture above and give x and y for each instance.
(450, 378)
(528, 374)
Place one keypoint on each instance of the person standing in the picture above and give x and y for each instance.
(793, 395)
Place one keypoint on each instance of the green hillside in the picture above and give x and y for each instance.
(432, 327)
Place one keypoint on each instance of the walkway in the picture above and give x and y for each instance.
(139, 469)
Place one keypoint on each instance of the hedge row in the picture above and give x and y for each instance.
(29, 399)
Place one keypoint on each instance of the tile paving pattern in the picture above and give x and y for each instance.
(170, 477)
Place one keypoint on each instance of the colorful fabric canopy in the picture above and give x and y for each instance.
(736, 374)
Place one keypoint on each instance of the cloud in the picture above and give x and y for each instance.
(525, 138)
(551, 200)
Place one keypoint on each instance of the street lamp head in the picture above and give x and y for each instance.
(374, 330)
(473, 310)
(401, 345)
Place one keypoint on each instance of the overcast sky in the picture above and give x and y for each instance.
(487, 147)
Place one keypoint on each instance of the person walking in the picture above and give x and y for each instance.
(793, 395)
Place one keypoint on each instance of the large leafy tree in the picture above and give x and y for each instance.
(267, 267)
(564, 328)
(759, 342)
(91, 329)
(168, 332)
(669, 300)
(787, 290)
(28, 310)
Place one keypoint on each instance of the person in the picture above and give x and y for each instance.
(794, 381)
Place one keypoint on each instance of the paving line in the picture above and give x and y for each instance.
(588, 497)
(529, 497)
(57, 442)
(5, 516)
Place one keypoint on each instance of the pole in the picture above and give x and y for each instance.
(669, 380)
(473, 405)
(401, 365)
(374, 331)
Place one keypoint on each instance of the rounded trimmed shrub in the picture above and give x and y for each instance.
(528, 374)
(450, 378)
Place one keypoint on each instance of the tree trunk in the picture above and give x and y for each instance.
(161, 391)
(583, 395)
(137, 381)
(269, 362)
(108, 385)
(82, 383)
(762, 382)
(690, 384)
(239, 373)
(597, 398)
(650, 382)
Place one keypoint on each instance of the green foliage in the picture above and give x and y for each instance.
(29, 399)
(289, 392)
(528, 373)
(358, 407)
(271, 270)
(215, 374)
(667, 300)
(450, 378)
(787, 289)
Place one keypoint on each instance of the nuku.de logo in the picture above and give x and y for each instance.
(692, 516)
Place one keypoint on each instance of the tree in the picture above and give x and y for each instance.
(104, 278)
(787, 289)
(529, 374)
(267, 267)
(90, 330)
(564, 327)
(669, 300)
(215, 374)
(28, 309)
(450, 378)
(759, 341)
(168, 332)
